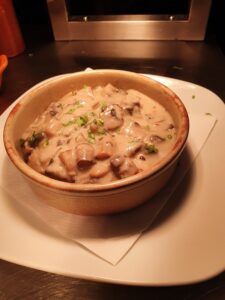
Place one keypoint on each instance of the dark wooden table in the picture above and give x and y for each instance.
(200, 62)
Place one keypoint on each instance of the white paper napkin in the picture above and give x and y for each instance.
(108, 237)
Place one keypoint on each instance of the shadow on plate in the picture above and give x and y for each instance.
(179, 197)
(38, 215)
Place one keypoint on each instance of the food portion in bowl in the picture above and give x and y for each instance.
(98, 135)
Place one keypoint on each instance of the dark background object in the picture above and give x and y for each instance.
(216, 24)
(32, 12)
(118, 7)
(35, 13)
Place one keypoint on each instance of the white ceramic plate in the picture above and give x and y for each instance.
(185, 245)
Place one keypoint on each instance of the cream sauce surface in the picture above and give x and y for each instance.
(97, 135)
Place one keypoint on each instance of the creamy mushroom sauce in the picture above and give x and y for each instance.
(97, 135)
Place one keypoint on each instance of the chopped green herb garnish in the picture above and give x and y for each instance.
(85, 86)
(103, 105)
(79, 104)
(32, 137)
(134, 140)
(91, 137)
(98, 122)
(151, 148)
(70, 111)
(71, 122)
(208, 114)
(193, 97)
(147, 127)
(101, 130)
(82, 120)
(92, 114)
(46, 143)
(35, 138)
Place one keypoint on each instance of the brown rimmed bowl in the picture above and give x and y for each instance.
(94, 199)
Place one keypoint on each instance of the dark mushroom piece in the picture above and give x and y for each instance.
(84, 155)
(35, 139)
(132, 108)
(29, 144)
(104, 149)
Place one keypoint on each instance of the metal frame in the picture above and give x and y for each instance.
(149, 28)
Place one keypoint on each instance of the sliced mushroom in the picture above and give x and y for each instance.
(134, 129)
(47, 153)
(56, 169)
(67, 157)
(34, 161)
(104, 149)
(154, 139)
(116, 161)
(126, 169)
(99, 170)
(84, 155)
(52, 127)
(133, 148)
(112, 116)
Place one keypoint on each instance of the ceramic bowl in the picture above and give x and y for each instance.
(95, 199)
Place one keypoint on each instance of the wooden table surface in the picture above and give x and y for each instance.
(202, 63)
